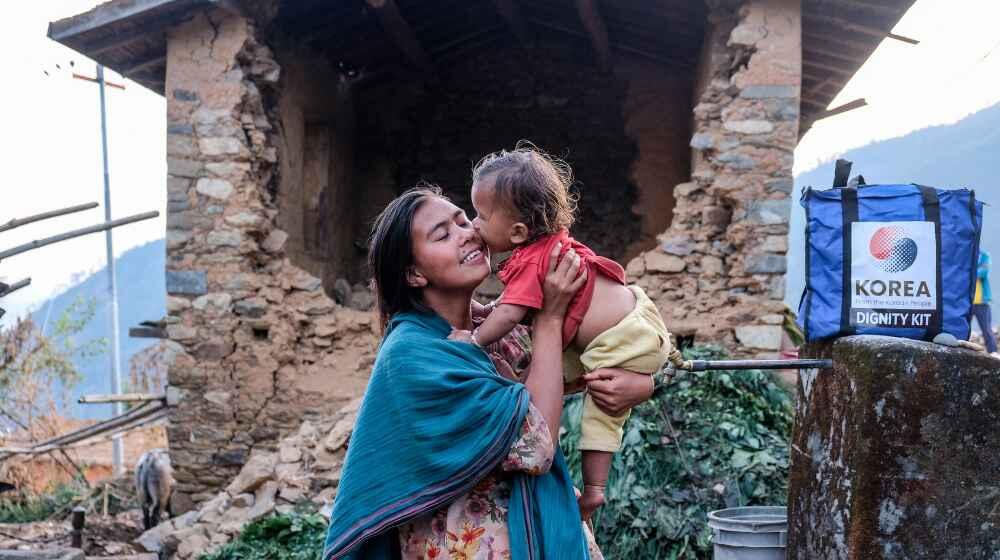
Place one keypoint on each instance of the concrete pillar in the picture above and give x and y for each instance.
(896, 453)
(719, 269)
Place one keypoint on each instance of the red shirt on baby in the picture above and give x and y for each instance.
(524, 272)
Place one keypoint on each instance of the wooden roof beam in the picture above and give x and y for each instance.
(856, 61)
(146, 63)
(858, 28)
(666, 61)
(598, 32)
(401, 33)
(510, 11)
(829, 68)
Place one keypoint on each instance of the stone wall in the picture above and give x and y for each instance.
(895, 453)
(277, 162)
(256, 344)
(718, 271)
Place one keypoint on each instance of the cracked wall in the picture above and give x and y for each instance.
(266, 219)
(256, 343)
(718, 271)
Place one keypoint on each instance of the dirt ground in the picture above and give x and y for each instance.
(104, 535)
(110, 535)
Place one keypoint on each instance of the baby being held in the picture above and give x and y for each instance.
(523, 204)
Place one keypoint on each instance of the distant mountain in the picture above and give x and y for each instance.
(964, 154)
(141, 297)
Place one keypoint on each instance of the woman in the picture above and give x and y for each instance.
(449, 458)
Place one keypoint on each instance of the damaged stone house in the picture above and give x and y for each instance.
(291, 123)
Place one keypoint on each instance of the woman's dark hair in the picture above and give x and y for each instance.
(534, 184)
(390, 254)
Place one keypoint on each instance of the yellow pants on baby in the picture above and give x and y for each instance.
(640, 343)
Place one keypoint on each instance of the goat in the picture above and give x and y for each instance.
(154, 483)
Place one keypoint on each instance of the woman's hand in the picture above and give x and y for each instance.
(616, 390)
(561, 283)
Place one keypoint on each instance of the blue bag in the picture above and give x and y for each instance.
(896, 260)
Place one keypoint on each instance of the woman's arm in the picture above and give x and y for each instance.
(545, 375)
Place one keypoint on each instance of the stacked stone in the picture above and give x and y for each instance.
(255, 341)
(303, 472)
(718, 271)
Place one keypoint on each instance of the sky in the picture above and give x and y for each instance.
(52, 144)
(52, 154)
(953, 72)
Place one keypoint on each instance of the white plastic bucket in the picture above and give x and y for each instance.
(749, 533)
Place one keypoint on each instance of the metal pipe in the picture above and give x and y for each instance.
(76, 233)
(46, 215)
(707, 365)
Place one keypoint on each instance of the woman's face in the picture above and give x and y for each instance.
(448, 254)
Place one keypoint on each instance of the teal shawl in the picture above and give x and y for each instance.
(435, 420)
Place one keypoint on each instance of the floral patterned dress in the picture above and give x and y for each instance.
(474, 526)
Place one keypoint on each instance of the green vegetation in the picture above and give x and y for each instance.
(296, 536)
(30, 507)
(706, 441)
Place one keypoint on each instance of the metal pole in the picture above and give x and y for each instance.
(118, 452)
(710, 365)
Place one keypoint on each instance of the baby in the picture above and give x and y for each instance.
(522, 202)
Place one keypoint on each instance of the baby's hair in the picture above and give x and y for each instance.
(534, 183)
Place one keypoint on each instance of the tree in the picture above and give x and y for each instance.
(37, 371)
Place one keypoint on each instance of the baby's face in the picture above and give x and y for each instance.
(494, 221)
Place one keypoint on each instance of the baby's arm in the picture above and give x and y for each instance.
(501, 321)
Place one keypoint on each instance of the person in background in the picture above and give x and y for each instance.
(981, 302)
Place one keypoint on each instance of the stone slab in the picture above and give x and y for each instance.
(190, 282)
(895, 453)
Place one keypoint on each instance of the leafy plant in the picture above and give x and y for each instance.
(706, 441)
(295, 536)
(30, 507)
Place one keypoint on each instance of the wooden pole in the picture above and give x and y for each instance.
(510, 11)
(46, 215)
(594, 24)
(124, 397)
(401, 33)
(6, 290)
(76, 233)
(79, 519)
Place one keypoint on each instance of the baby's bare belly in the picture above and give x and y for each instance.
(610, 304)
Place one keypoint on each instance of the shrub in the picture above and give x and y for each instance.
(706, 441)
(31, 507)
(297, 535)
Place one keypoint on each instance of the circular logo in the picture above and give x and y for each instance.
(892, 249)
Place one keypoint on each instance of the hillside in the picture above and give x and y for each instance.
(964, 154)
(141, 297)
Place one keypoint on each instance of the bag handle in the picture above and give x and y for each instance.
(932, 213)
(841, 173)
(849, 209)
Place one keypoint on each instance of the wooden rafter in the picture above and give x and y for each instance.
(875, 6)
(510, 11)
(828, 67)
(146, 63)
(858, 28)
(818, 88)
(666, 61)
(401, 33)
(849, 106)
(596, 30)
